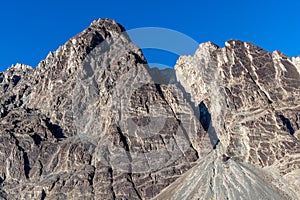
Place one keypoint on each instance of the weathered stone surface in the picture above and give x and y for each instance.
(90, 122)
(93, 121)
(253, 97)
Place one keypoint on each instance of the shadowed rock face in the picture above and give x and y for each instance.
(93, 121)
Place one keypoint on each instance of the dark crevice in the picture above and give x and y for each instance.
(1, 77)
(36, 138)
(26, 163)
(297, 122)
(91, 180)
(159, 90)
(54, 183)
(41, 168)
(205, 117)
(124, 141)
(205, 120)
(129, 178)
(54, 129)
(110, 171)
(43, 196)
(188, 138)
(138, 58)
(15, 79)
(3, 194)
(225, 158)
(287, 124)
(95, 40)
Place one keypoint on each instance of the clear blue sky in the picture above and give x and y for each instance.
(31, 29)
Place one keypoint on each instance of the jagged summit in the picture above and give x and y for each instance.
(93, 121)
(19, 66)
(99, 32)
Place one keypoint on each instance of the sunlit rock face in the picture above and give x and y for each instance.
(254, 100)
(93, 121)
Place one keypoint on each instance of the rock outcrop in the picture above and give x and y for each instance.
(93, 121)
(253, 97)
(90, 123)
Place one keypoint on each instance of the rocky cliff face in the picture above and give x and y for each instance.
(93, 121)
(253, 97)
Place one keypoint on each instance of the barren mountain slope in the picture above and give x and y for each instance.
(93, 121)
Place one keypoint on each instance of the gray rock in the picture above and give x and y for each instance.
(253, 98)
(93, 121)
(90, 122)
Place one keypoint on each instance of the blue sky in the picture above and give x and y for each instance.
(31, 29)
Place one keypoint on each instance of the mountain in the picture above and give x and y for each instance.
(94, 121)
(254, 100)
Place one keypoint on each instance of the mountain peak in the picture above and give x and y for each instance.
(20, 67)
(92, 121)
(108, 23)
(100, 32)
